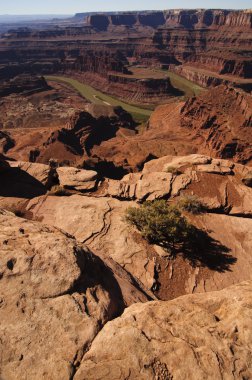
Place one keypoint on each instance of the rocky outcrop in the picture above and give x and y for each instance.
(142, 91)
(217, 183)
(77, 179)
(57, 124)
(210, 332)
(223, 124)
(44, 174)
(23, 84)
(191, 19)
(143, 187)
(55, 296)
(215, 123)
(219, 256)
(208, 79)
(103, 21)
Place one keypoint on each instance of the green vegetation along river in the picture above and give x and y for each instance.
(97, 97)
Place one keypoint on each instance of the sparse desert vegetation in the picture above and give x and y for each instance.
(160, 223)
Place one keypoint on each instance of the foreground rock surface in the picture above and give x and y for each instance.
(193, 337)
(55, 296)
(221, 258)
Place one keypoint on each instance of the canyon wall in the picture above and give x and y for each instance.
(219, 41)
(196, 18)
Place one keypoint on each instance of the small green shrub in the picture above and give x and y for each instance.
(191, 203)
(160, 223)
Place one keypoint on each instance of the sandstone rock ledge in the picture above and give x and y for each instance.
(193, 337)
(55, 296)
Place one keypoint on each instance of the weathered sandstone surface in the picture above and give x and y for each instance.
(61, 304)
(75, 278)
(219, 258)
(76, 178)
(193, 337)
(55, 296)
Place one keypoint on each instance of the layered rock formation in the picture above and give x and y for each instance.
(224, 124)
(218, 41)
(23, 84)
(106, 140)
(191, 19)
(57, 123)
(217, 123)
(70, 263)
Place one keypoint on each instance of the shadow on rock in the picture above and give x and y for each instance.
(202, 250)
(15, 182)
(96, 273)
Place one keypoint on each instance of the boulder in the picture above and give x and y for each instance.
(78, 179)
(55, 296)
(217, 167)
(146, 186)
(193, 337)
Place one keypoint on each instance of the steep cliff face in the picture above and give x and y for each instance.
(142, 90)
(175, 18)
(98, 61)
(206, 78)
(217, 122)
(23, 84)
(217, 40)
